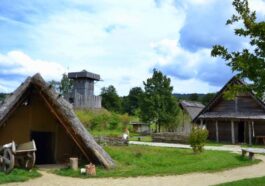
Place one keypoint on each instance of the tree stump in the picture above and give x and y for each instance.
(91, 169)
(74, 163)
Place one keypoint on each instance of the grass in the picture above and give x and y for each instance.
(18, 175)
(260, 181)
(143, 138)
(213, 143)
(148, 161)
(110, 133)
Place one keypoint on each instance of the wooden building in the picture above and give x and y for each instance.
(190, 109)
(35, 111)
(82, 93)
(142, 128)
(241, 120)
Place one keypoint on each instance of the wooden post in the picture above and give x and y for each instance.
(217, 131)
(232, 132)
(249, 134)
(253, 129)
(74, 163)
(201, 123)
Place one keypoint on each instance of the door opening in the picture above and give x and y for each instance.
(45, 148)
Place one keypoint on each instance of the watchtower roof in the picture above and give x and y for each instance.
(84, 74)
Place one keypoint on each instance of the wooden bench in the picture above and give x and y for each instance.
(252, 151)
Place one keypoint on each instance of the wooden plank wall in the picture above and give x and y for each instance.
(242, 103)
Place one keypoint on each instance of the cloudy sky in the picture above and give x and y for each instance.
(120, 40)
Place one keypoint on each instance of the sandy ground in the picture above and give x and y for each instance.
(194, 179)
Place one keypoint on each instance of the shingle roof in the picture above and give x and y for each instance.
(191, 107)
(237, 115)
(84, 74)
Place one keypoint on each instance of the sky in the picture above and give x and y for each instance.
(123, 41)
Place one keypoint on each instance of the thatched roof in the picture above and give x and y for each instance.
(206, 114)
(63, 112)
(192, 108)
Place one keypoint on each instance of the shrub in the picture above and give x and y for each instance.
(197, 138)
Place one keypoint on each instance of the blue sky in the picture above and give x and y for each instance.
(120, 40)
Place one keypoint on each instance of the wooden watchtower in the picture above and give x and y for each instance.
(82, 94)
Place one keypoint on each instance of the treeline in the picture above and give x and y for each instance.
(203, 98)
(2, 96)
(155, 103)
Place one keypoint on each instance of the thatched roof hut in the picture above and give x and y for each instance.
(35, 110)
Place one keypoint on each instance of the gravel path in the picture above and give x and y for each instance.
(232, 148)
(194, 179)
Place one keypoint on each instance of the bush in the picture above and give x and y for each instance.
(197, 138)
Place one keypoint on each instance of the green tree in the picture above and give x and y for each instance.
(158, 104)
(2, 96)
(110, 99)
(131, 103)
(207, 98)
(66, 84)
(194, 97)
(249, 62)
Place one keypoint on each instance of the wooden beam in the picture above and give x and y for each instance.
(249, 134)
(217, 131)
(253, 129)
(232, 132)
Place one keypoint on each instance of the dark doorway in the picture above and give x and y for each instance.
(45, 147)
(241, 132)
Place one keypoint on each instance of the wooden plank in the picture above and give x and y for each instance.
(249, 134)
(232, 132)
(217, 131)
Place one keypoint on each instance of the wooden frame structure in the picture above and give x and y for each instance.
(236, 121)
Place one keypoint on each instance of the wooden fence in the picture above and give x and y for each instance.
(169, 137)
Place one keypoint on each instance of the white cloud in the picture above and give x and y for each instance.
(18, 64)
(120, 40)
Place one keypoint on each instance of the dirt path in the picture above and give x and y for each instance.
(194, 179)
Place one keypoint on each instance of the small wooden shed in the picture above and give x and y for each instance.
(140, 127)
(35, 111)
(241, 120)
(190, 109)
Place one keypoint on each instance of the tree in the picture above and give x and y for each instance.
(131, 103)
(110, 99)
(158, 104)
(207, 98)
(248, 63)
(194, 97)
(66, 85)
(2, 96)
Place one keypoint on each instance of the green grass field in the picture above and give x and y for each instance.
(18, 175)
(247, 182)
(147, 161)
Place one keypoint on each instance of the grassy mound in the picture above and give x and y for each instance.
(148, 161)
